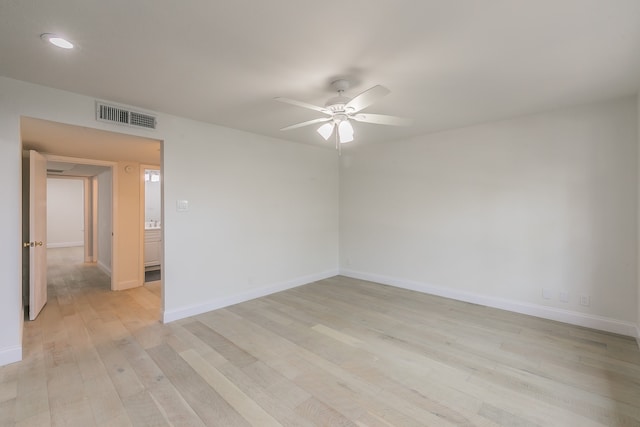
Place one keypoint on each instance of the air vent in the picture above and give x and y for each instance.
(124, 116)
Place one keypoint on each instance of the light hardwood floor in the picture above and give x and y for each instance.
(339, 352)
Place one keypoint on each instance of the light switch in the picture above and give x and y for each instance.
(182, 205)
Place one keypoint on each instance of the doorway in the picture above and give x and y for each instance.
(80, 205)
(65, 211)
(66, 222)
(152, 209)
(123, 154)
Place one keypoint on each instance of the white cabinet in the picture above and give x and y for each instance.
(152, 246)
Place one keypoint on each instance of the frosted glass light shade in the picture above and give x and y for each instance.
(345, 131)
(326, 130)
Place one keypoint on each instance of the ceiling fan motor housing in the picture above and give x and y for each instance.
(340, 85)
(337, 104)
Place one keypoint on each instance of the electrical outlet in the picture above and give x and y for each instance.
(547, 293)
(585, 300)
(563, 296)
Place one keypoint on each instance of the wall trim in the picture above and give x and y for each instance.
(128, 284)
(195, 309)
(102, 266)
(551, 313)
(638, 334)
(10, 355)
(64, 244)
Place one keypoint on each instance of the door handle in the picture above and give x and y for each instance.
(32, 244)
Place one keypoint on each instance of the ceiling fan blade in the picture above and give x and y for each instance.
(307, 123)
(382, 119)
(367, 98)
(303, 105)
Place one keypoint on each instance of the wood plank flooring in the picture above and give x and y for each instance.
(339, 352)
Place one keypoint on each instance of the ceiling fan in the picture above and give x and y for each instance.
(342, 109)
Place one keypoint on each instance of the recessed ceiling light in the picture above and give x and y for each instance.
(57, 41)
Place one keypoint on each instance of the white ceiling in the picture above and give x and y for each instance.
(447, 63)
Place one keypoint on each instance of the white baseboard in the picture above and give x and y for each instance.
(128, 284)
(104, 268)
(64, 245)
(10, 355)
(195, 309)
(566, 316)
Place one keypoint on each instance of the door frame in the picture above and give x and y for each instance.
(93, 203)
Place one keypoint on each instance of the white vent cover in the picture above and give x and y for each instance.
(124, 116)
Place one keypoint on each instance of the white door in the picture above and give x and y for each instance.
(37, 233)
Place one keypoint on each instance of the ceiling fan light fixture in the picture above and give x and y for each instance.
(341, 110)
(326, 130)
(345, 131)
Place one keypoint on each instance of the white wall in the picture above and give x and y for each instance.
(496, 212)
(263, 212)
(11, 313)
(65, 212)
(104, 220)
(263, 216)
(129, 225)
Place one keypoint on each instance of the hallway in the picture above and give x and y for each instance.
(77, 288)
